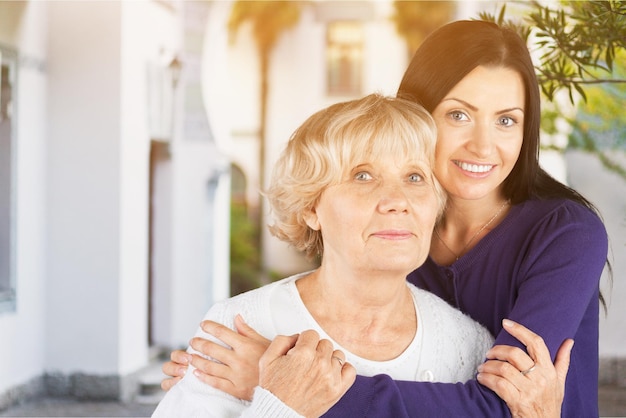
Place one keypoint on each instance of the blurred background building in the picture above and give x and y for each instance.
(131, 132)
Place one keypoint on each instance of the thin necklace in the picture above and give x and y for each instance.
(493, 218)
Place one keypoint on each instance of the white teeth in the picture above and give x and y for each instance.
(474, 168)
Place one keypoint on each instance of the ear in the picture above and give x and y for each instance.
(311, 219)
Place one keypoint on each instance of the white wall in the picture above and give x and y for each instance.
(83, 196)
(217, 98)
(191, 291)
(98, 181)
(84, 180)
(199, 174)
(147, 30)
(23, 27)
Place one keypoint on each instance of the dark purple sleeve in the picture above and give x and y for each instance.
(381, 396)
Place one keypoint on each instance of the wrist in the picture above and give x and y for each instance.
(266, 405)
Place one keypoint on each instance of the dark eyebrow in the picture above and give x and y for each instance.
(510, 110)
(474, 108)
(463, 102)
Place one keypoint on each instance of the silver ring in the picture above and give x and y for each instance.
(525, 372)
(338, 359)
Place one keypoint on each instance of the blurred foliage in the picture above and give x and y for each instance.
(578, 41)
(244, 255)
(415, 20)
(600, 123)
(269, 20)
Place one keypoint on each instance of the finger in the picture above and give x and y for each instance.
(348, 374)
(561, 364)
(307, 340)
(167, 384)
(217, 382)
(514, 355)
(339, 357)
(279, 347)
(325, 348)
(535, 345)
(503, 376)
(247, 331)
(210, 367)
(503, 388)
(225, 385)
(211, 349)
(173, 369)
(503, 369)
(221, 332)
(181, 357)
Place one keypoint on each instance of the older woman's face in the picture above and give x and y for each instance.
(480, 124)
(380, 217)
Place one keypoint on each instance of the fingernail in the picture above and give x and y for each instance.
(241, 318)
(480, 368)
(507, 323)
(479, 377)
(182, 370)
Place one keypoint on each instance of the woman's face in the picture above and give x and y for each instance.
(480, 125)
(380, 218)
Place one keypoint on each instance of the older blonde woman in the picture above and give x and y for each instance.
(354, 186)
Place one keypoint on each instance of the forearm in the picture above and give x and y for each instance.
(380, 396)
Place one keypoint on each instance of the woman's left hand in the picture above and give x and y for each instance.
(530, 384)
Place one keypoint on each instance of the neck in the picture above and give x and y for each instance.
(372, 315)
(370, 291)
(470, 214)
(464, 224)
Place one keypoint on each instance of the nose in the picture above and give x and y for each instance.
(482, 140)
(392, 199)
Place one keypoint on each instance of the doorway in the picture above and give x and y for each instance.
(159, 238)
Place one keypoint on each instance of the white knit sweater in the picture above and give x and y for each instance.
(448, 347)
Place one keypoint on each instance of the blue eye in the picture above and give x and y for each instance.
(362, 176)
(416, 178)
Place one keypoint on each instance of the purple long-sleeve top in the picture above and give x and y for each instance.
(540, 267)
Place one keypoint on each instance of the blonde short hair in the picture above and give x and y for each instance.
(329, 144)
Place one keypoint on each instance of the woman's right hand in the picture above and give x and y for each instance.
(306, 373)
(233, 370)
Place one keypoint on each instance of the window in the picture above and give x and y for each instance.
(8, 67)
(344, 57)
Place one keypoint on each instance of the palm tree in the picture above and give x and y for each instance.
(417, 19)
(269, 20)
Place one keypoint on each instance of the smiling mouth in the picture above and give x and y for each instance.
(474, 168)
